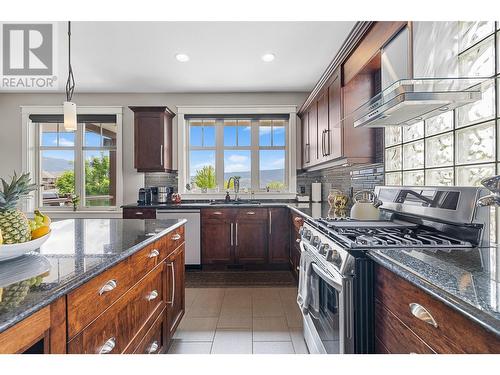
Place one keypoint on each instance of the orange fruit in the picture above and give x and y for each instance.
(39, 232)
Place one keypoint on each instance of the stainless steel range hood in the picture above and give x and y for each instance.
(409, 101)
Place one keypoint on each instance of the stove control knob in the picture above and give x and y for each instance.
(334, 257)
(324, 249)
(315, 241)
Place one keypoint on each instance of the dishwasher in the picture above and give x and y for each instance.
(192, 232)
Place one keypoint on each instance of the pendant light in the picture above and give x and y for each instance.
(69, 108)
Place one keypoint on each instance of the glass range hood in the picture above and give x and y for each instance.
(409, 101)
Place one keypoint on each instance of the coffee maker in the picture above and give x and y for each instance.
(145, 196)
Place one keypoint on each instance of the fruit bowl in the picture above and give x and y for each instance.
(15, 250)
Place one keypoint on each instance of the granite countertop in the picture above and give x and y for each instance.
(78, 250)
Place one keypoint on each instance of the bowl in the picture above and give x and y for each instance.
(15, 250)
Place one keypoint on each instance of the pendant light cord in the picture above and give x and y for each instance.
(70, 83)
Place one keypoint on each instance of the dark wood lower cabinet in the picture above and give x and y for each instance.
(398, 330)
(257, 237)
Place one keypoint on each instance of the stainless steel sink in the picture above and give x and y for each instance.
(234, 203)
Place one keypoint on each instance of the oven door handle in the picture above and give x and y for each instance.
(325, 276)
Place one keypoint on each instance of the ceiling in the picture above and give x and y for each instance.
(224, 56)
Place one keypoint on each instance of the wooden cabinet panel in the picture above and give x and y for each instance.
(252, 214)
(152, 139)
(323, 127)
(393, 336)
(119, 324)
(174, 239)
(396, 294)
(176, 295)
(20, 337)
(216, 241)
(250, 241)
(139, 213)
(154, 341)
(313, 134)
(279, 235)
(335, 133)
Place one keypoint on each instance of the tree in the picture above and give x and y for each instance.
(205, 177)
(65, 183)
(275, 185)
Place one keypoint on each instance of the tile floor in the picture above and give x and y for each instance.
(240, 321)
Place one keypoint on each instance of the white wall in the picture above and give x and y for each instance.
(10, 121)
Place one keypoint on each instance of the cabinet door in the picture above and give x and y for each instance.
(149, 141)
(306, 143)
(176, 291)
(313, 133)
(279, 235)
(216, 241)
(334, 138)
(250, 241)
(323, 127)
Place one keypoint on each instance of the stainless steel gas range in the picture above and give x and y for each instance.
(335, 282)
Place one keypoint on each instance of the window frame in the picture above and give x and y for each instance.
(31, 151)
(183, 150)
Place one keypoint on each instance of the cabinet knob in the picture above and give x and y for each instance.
(421, 313)
(154, 253)
(108, 287)
(152, 296)
(176, 237)
(152, 348)
(108, 346)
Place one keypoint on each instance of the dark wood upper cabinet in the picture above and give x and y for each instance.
(313, 133)
(153, 139)
(323, 126)
(334, 137)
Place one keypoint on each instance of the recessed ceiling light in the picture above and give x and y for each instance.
(182, 57)
(268, 57)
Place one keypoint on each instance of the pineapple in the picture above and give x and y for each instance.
(13, 222)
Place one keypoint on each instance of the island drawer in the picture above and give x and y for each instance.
(89, 300)
(439, 326)
(153, 340)
(113, 330)
(252, 214)
(396, 337)
(148, 258)
(217, 213)
(173, 240)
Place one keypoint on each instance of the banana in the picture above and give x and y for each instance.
(46, 219)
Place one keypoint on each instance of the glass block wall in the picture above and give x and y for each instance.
(458, 147)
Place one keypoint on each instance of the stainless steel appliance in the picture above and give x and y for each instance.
(192, 232)
(413, 219)
(145, 196)
(163, 192)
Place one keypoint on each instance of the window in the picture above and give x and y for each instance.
(84, 163)
(254, 148)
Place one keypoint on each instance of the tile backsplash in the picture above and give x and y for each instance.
(161, 179)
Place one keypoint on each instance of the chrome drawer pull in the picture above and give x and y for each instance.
(176, 237)
(152, 296)
(108, 287)
(217, 213)
(153, 348)
(108, 346)
(139, 213)
(154, 253)
(173, 284)
(250, 213)
(421, 313)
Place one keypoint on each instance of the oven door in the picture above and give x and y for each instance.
(328, 323)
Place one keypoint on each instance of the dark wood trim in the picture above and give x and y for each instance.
(168, 111)
(357, 33)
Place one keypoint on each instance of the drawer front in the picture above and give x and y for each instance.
(153, 341)
(393, 336)
(139, 213)
(406, 302)
(259, 214)
(88, 301)
(174, 239)
(297, 221)
(148, 258)
(217, 213)
(112, 331)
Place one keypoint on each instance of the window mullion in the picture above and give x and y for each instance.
(255, 155)
(219, 153)
(79, 166)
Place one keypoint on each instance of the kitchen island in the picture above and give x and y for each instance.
(100, 267)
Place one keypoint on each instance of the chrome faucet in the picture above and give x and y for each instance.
(236, 182)
(493, 185)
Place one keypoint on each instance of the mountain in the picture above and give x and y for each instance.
(266, 176)
(56, 165)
